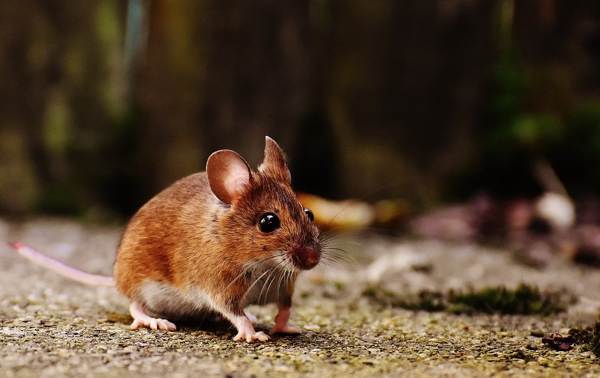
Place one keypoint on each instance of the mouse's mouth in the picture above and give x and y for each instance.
(305, 258)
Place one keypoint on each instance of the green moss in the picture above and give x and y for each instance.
(524, 299)
(423, 300)
(594, 342)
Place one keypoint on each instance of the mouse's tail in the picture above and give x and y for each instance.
(58, 267)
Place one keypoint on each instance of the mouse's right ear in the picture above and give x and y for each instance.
(228, 175)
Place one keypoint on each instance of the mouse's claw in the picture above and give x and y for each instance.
(251, 336)
(154, 323)
(141, 320)
(245, 329)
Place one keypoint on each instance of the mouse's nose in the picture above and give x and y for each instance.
(306, 257)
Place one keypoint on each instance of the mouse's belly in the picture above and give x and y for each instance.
(165, 301)
(168, 302)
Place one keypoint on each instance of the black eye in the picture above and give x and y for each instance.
(269, 222)
(310, 214)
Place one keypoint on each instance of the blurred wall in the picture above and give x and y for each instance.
(103, 103)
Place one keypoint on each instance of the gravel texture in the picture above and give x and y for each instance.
(52, 327)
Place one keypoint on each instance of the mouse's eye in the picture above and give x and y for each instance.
(309, 214)
(269, 222)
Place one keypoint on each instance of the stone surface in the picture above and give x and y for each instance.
(52, 327)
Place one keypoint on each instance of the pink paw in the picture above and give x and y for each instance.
(153, 323)
(251, 336)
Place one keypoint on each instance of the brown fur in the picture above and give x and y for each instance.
(186, 237)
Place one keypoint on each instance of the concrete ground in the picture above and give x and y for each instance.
(52, 327)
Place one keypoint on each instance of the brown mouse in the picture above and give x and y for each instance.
(215, 241)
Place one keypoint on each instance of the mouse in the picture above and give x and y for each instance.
(213, 242)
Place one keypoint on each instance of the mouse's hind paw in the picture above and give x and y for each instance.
(153, 323)
(141, 319)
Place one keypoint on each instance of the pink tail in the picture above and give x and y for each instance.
(60, 268)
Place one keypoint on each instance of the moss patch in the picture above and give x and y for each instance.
(524, 299)
(594, 343)
(590, 337)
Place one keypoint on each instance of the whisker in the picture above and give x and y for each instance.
(348, 259)
(287, 270)
(255, 281)
(262, 288)
(329, 260)
(270, 280)
(247, 268)
(262, 275)
(336, 249)
(327, 237)
(280, 281)
(338, 253)
(339, 256)
(264, 285)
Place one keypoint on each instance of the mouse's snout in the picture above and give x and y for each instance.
(306, 257)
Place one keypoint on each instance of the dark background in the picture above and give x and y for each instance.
(104, 103)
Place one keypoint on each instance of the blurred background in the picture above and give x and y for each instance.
(422, 103)
(443, 131)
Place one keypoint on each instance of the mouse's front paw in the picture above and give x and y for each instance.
(251, 336)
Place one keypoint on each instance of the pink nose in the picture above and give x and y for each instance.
(306, 257)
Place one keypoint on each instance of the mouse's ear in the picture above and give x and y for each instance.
(228, 175)
(274, 164)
